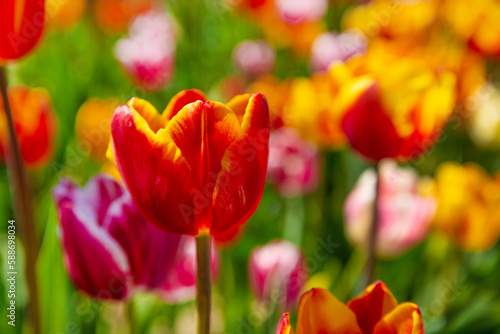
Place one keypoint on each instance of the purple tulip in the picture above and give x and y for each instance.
(278, 266)
(404, 214)
(109, 249)
(180, 285)
(148, 54)
(254, 58)
(293, 165)
(330, 47)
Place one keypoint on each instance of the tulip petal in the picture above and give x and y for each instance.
(284, 326)
(152, 167)
(240, 184)
(94, 199)
(404, 319)
(372, 305)
(96, 263)
(152, 253)
(369, 130)
(182, 99)
(321, 313)
(203, 131)
(238, 105)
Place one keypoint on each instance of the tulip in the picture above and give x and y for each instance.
(393, 19)
(35, 124)
(297, 11)
(318, 122)
(375, 311)
(468, 209)
(200, 167)
(393, 105)
(113, 16)
(330, 47)
(278, 266)
(148, 54)
(404, 215)
(22, 23)
(65, 14)
(477, 25)
(288, 23)
(293, 165)
(254, 58)
(180, 284)
(109, 249)
(92, 125)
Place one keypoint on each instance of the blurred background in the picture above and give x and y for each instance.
(437, 243)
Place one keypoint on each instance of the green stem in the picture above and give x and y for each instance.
(132, 319)
(22, 205)
(203, 283)
(294, 220)
(372, 241)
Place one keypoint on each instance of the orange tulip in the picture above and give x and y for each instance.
(65, 14)
(200, 167)
(375, 311)
(35, 124)
(21, 25)
(92, 125)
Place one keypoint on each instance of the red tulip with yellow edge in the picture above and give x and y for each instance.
(198, 168)
(375, 311)
(21, 25)
(394, 105)
(35, 124)
(468, 208)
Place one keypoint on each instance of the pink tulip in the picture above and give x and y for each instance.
(404, 214)
(180, 285)
(293, 165)
(330, 47)
(254, 58)
(279, 267)
(148, 54)
(300, 11)
(109, 249)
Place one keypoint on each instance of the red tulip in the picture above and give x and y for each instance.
(200, 167)
(21, 25)
(375, 311)
(35, 124)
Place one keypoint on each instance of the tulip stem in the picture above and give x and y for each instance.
(203, 282)
(372, 237)
(22, 205)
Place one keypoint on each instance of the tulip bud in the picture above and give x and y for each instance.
(277, 272)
